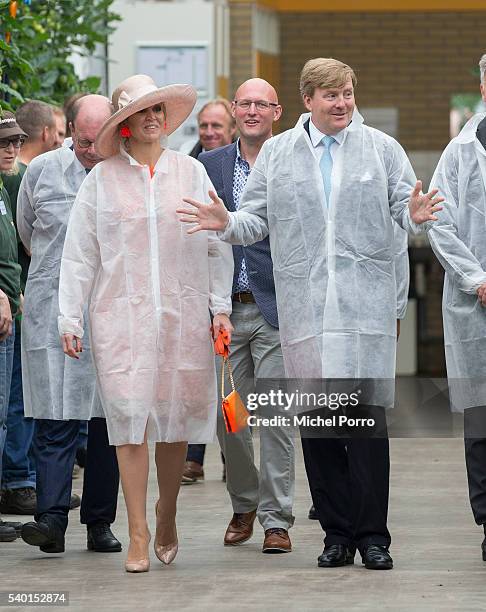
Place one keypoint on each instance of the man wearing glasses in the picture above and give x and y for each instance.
(255, 346)
(11, 139)
(59, 392)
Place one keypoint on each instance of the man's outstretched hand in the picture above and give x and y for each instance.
(423, 206)
(212, 216)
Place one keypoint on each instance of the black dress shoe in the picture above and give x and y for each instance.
(101, 539)
(313, 516)
(44, 534)
(377, 557)
(336, 555)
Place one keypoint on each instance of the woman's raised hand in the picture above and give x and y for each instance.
(213, 216)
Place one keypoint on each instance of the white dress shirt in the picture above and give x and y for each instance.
(316, 137)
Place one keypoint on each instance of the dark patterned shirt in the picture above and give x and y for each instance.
(240, 176)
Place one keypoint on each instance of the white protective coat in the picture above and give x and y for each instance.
(55, 386)
(458, 239)
(151, 288)
(334, 271)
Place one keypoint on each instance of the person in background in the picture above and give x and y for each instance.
(457, 239)
(60, 119)
(36, 119)
(11, 139)
(61, 394)
(217, 128)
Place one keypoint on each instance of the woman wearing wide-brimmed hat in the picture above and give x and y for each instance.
(151, 289)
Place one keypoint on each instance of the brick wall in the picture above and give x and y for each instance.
(413, 61)
(241, 53)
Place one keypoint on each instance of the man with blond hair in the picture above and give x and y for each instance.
(326, 193)
(216, 126)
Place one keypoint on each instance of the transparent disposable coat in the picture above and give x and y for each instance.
(458, 240)
(55, 386)
(151, 288)
(334, 267)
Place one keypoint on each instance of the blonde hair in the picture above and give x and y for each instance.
(325, 73)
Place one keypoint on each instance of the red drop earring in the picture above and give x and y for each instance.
(125, 132)
(165, 124)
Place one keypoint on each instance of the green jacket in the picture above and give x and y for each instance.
(9, 267)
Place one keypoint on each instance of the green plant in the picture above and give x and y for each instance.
(36, 64)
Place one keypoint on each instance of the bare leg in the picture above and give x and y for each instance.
(133, 462)
(170, 460)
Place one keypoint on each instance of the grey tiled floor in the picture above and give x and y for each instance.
(435, 548)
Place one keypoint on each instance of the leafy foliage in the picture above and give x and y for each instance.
(36, 63)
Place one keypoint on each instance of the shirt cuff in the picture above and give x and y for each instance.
(70, 326)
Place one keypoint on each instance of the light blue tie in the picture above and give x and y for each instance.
(326, 165)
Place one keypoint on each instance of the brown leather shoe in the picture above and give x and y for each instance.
(193, 472)
(276, 541)
(240, 528)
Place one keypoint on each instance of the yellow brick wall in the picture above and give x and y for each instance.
(241, 53)
(413, 61)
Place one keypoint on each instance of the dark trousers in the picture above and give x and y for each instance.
(349, 483)
(195, 452)
(55, 444)
(475, 452)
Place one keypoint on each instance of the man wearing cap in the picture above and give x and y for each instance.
(58, 392)
(11, 139)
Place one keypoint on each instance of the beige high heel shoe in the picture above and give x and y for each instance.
(137, 567)
(165, 553)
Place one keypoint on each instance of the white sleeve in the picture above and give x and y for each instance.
(456, 258)
(401, 183)
(25, 205)
(402, 269)
(250, 223)
(220, 266)
(80, 259)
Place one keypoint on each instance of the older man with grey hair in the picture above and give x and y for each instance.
(59, 392)
(457, 239)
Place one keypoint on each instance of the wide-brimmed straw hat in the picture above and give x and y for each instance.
(139, 92)
(9, 126)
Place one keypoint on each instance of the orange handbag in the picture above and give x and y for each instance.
(234, 410)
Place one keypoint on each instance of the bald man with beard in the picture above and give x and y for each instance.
(60, 393)
(255, 347)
